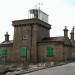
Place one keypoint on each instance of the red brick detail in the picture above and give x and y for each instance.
(41, 52)
(8, 53)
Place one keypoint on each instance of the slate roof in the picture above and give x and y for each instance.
(59, 38)
(7, 42)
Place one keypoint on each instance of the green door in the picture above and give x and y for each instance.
(49, 52)
(4, 52)
(24, 52)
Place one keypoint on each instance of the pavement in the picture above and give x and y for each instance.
(67, 69)
(20, 69)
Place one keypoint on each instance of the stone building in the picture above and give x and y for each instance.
(63, 47)
(6, 55)
(32, 42)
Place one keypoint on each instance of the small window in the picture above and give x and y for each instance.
(49, 52)
(24, 52)
(4, 52)
(24, 35)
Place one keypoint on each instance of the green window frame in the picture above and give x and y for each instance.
(49, 52)
(4, 53)
(24, 52)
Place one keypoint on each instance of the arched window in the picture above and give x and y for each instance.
(49, 52)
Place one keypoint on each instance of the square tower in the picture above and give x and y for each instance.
(26, 34)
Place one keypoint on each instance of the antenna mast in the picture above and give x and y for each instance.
(39, 5)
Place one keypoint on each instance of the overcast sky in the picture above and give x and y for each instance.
(61, 13)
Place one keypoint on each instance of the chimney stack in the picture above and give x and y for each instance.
(72, 34)
(65, 32)
(6, 36)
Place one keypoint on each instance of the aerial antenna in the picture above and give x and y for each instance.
(39, 5)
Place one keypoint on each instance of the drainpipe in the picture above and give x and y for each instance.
(31, 45)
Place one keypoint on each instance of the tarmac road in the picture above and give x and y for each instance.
(68, 69)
